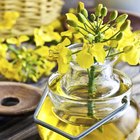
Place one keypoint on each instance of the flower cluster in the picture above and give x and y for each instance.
(22, 60)
(9, 20)
(101, 40)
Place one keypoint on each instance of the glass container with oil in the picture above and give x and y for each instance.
(69, 93)
(70, 103)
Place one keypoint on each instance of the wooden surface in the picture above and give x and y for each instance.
(20, 127)
(18, 98)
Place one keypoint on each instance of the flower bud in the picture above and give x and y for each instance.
(80, 7)
(119, 36)
(81, 18)
(125, 25)
(71, 23)
(92, 17)
(98, 10)
(121, 18)
(127, 48)
(24, 49)
(24, 64)
(103, 11)
(113, 15)
(90, 37)
(85, 13)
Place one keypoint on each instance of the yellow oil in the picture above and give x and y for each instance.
(125, 128)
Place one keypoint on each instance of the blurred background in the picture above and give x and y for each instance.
(128, 5)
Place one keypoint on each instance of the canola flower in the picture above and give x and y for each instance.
(115, 36)
(24, 62)
(9, 20)
(109, 39)
(101, 40)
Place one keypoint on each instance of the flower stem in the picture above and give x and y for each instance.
(91, 90)
(115, 54)
(111, 37)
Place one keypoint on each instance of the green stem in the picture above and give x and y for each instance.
(115, 54)
(91, 89)
(109, 27)
(91, 81)
(76, 52)
(91, 26)
(106, 25)
(108, 52)
(111, 37)
(84, 29)
(85, 36)
(100, 23)
(13, 50)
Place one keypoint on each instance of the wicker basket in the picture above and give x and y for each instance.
(33, 13)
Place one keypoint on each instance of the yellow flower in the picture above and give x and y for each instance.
(3, 50)
(17, 41)
(131, 48)
(132, 56)
(74, 36)
(85, 58)
(62, 55)
(2, 39)
(50, 34)
(11, 15)
(38, 37)
(45, 34)
(98, 52)
(9, 71)
(56, 24)
(9, 20)
(67, 33)
(42, 51)
(72, 17)
(127, 39)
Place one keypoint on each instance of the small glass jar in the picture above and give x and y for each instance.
(69, 93)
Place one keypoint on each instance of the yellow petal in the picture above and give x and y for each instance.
(42, 51)
(12, 15)
(12, 40)
(81, 6)
(98, 52)
(23, 38)
(84, 59)
(131, 57)
(2, 39)
(66, 42)
(73, 17)
(62, 67)
(67, 33)
(3, 49)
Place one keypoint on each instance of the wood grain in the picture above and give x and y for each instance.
(18, 98)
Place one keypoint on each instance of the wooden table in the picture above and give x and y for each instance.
(20, 127)
(24, 128)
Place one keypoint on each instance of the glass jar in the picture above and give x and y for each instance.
(69, 93)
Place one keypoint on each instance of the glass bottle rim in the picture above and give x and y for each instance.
(126, 93)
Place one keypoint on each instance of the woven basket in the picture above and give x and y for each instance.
(33, 13)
